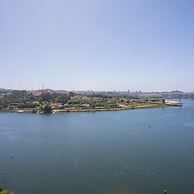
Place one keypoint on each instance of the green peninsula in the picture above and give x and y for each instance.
(49, 101)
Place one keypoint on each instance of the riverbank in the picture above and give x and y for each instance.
(131, 106)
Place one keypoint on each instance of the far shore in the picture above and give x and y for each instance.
(129, 107)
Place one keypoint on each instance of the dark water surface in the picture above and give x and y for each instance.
(140, 151)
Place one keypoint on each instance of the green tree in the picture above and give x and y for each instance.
(45, 109)
(71, 94)
(62, 99)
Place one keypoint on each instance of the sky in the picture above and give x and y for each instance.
(99, 45)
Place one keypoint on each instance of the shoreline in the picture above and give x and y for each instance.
(129, 107)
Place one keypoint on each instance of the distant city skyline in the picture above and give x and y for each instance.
(98, 45)
(91, 90)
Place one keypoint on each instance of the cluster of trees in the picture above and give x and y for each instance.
(45, 109)
(23, 99)
(93, 102)
(19, 97)
(53, 97)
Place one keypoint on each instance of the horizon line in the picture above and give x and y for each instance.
(92, 90)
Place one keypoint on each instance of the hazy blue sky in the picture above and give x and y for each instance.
(97, 44)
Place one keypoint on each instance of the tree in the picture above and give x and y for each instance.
(45, 97)
(45, 109)
(71, 94)
(62, 99)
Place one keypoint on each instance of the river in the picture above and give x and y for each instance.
(123, 152)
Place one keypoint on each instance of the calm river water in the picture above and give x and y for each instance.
(134, 151)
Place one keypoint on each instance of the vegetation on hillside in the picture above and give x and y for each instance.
(17, 99)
